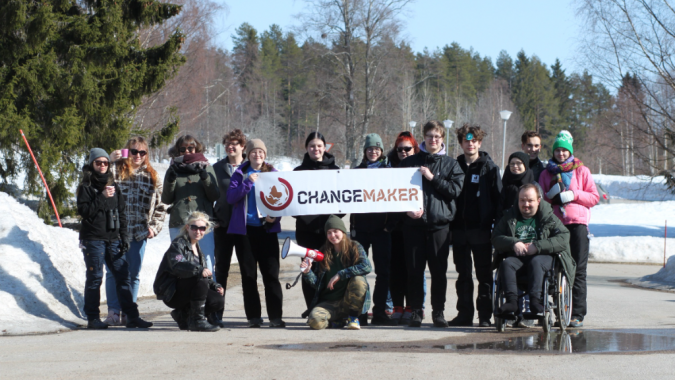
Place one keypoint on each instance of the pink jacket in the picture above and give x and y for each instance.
(585, 196)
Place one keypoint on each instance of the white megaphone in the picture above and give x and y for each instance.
(292, 249)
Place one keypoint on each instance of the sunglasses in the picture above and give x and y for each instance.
(136, 151)
(101, 163)
(404, 149)
(195, 227)
(190, 149)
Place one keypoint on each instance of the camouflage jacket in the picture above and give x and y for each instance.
(361, 268)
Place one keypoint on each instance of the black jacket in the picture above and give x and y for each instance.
(374, 221)
(479, 205)
(440, 193)
(222, 211)
(94, 208)
(314, 223)
(178, 262)
(537, 166)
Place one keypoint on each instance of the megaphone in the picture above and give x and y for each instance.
(292, 249)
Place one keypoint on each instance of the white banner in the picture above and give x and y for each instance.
(343, 191)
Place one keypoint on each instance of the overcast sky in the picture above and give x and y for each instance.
(547, 28)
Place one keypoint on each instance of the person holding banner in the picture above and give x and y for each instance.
(428, 230)
(260, 245)
(309, 228)
(342, 292)
(374, 229)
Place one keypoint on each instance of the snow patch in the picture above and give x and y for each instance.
(641, 188)
(664, 279)
(633, 249)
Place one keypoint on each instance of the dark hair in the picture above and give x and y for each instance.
(529, 186)
(528, 135)
(434, 125)
(237, 135)
(188, 140)
(478, 134)
(314, 135)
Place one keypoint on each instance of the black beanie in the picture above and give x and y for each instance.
(521, 156)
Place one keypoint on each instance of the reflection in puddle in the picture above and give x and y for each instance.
(573, 341)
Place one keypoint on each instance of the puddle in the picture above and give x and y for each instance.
(574, 341)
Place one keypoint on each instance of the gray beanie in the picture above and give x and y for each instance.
(96, 153)
(335, 222)
(373, 140)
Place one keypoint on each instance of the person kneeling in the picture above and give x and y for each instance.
(342, 291)
(184, 282)
(529, 235)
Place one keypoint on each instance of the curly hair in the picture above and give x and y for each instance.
(124, 167)
(235, 135)
(185, 140)
(349, 250)
(478, 134)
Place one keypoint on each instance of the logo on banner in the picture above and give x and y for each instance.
(278, 196)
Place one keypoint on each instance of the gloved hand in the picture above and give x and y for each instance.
(566, 197)
(203, 175)
(171, 175)
(555, 190)
(125, 242)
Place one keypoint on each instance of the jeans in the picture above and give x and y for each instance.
(207, 245)
(135, 260)
(96, 254)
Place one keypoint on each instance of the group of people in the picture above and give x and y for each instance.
(468, 205)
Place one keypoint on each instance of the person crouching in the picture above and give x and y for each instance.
(184, 281)
(342, 291)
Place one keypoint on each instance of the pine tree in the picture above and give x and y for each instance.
(71, 74)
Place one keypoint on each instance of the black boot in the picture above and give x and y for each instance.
(382, 319)
(97, 324)
(181, 317)
(138, 323)
(510, 307)
(363, 320)
(439, 319)
(216, 319)
(416, 318)
(197, 321)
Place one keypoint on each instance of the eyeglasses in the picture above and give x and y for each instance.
(101, 163)
(136, 151)
(434, 137)
(404, 149)
(195, 227)
(190, 149)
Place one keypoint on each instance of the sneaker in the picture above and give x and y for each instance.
(576, 323)
(397, 313)
(277, 323)
(439, 319)
(114, 318)
(528, 323)
(484, 323)
(139, 323)
(96, 324)
(407, 314)
(460, 322)
(416, 319)
(255, 322)
(353, 323)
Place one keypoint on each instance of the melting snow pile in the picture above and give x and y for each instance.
(664, 279)
(641, 188)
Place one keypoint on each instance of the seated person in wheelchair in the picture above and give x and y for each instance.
(529, 235)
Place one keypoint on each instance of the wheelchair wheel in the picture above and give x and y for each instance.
(547, 321)
(564, 301)
(497, 302)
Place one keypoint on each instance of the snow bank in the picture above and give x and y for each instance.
(633, 219)
(642, 188)
(630, 249)
(664, 279)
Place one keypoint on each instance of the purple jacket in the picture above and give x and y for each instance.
(236, 196)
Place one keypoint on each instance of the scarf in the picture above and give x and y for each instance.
(562, 173)
(99, 181)
(381, 163)
(190, 163)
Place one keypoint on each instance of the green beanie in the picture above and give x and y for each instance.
(373, 140)
(564, 140)
(335, 222)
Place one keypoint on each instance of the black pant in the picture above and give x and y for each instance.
(312, 241)
(261, 248)
(534, 267)
(579, 245)
(398, 278)
(381, 243)
(224, 244)
(464, 242)
(196, 289)
(96, 252)
(422, 247)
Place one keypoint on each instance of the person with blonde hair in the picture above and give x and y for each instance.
(185, 283)
(142, 188)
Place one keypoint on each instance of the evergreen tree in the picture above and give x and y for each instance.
(71, 74)
(505, 67)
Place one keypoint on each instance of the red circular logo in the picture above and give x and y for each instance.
(278, 197)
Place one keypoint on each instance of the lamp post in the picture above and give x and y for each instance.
(448, 124)
(505, 116)
(412, 125)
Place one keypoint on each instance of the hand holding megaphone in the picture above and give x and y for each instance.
(306, 265)
(292, 249)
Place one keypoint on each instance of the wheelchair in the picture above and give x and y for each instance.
(557, 294)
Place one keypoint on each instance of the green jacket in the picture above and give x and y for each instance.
(553, 236)
(189, 193)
